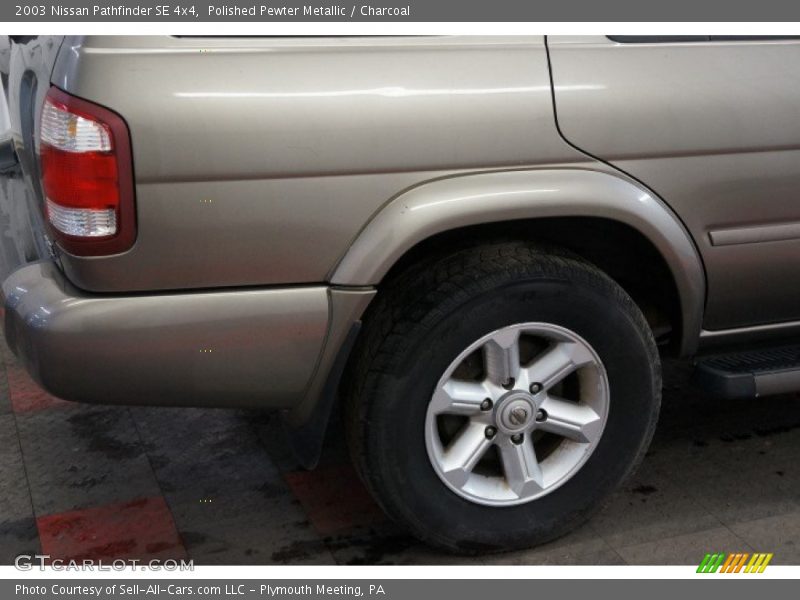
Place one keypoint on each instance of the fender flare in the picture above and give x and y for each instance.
(464, 200)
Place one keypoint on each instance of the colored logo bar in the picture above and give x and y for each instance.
(739, 562)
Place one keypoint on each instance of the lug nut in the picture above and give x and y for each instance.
(536, 388)
(486, 404)
(509, 383)
(541, 415)
(517, 438)
(490, 432)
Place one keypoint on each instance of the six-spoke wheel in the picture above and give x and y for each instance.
(517, 413)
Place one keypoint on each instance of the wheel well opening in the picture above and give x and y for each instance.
(619, 250)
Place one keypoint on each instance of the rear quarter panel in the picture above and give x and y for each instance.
(257, 161)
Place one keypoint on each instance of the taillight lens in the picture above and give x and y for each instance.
(86, 175)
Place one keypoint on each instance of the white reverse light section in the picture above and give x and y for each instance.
(82, 222)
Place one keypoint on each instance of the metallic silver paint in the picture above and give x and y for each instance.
(757, 234)
(238, 233)
(240, 348)
(295, 142)
(460, 201)
(738, 336)
(309, 162)
(712, 127)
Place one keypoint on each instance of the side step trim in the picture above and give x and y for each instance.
(750, 374)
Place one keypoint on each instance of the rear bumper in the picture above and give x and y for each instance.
(256, 348)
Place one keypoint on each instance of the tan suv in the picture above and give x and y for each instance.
(479, 245)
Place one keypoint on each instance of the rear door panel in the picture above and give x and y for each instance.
(714, 128)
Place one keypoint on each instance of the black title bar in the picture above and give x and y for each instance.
(401, 10)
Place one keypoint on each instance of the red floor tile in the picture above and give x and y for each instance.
(334, 499)
(26, 395)
(142, 529)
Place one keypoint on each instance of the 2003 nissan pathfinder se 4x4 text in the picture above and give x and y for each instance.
(479, 246)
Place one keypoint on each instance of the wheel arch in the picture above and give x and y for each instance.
(584, 210)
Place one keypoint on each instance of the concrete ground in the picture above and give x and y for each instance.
(220, 487)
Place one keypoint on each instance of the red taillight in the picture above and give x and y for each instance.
(86, 176)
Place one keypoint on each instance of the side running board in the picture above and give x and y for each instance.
(750, 374)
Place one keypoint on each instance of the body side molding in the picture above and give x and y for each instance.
(755, 234)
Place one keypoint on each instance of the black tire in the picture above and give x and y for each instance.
(424, 318)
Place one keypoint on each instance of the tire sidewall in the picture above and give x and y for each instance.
(407, 485)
